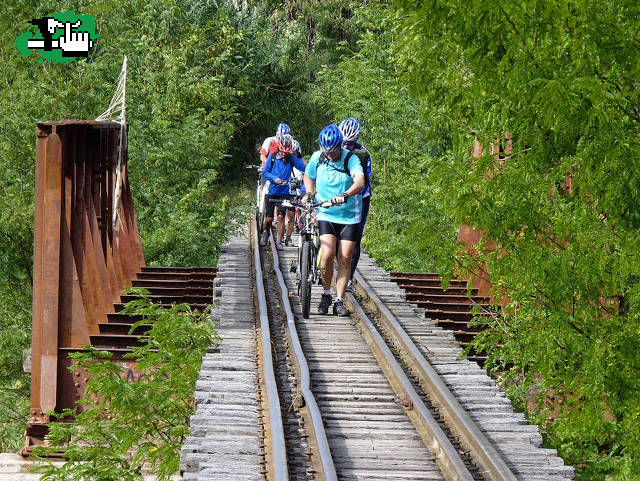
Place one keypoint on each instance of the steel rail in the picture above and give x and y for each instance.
(278, 452)
(434, 438)
(323, 463)
(458, 420)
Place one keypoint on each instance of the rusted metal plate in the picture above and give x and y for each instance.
(50, 272)
(79, 271)
(42, 134)
(83, 261)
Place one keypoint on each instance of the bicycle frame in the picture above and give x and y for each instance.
(309, 255)
(309, 232)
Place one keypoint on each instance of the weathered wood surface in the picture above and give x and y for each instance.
(369, 433)
(486, 403)
(225, 439)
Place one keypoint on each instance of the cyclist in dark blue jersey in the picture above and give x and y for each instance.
(278, 168)
(350, 129)
(338, 177)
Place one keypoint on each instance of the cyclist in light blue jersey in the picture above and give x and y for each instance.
(338, 177)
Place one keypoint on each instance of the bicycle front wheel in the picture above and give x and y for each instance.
(305, 279)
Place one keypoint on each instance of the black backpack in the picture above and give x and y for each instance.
(363, 156)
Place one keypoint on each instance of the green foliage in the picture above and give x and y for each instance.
(135, 416)
(185, 81)
(286, 44)
(14, 384)
(401, 139)
(562, 77)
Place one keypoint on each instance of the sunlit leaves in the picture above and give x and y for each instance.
(135, 420)
(561, 78)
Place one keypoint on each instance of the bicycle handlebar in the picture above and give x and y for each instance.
(304, 206)
(290, 182)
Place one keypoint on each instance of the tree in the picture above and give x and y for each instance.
(562, 77)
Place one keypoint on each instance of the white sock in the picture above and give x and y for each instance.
(338, 299)
(327, 291)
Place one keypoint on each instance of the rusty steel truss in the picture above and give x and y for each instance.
(82, 257)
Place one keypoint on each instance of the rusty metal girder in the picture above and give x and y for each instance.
(469, 237)
(82, 261)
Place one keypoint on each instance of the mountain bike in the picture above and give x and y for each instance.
(308, 270)
(262, 189)
(296, 185)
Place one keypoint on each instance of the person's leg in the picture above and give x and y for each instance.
(363, 220)
(345, 250)
(280, 226)
(290, 222)
(346, 242)
(328, 252)
(268, 219)
(267, 225)
(328, 247)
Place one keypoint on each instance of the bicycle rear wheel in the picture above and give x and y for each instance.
(262, 206)
(305, 279)
(260, 221)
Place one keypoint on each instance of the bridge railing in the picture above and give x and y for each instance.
(83, 255)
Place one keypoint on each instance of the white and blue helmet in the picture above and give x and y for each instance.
(350, 129)
(283, 129)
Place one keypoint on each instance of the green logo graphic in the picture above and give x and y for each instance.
(61, 37)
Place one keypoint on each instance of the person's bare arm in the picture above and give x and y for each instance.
(358, 185)
(308, 184)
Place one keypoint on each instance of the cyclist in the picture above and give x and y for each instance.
(350, 129)
(278, 169)
(299, 175)
(337, 176)
(270, 144)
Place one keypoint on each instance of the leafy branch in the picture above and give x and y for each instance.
(122, 424)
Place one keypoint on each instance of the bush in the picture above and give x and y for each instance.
(126, 422)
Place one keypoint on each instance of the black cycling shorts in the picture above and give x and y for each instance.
(271, 205)
(349, 232)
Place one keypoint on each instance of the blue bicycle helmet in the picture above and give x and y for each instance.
(350, 129)
(330, 138)
(283, 129)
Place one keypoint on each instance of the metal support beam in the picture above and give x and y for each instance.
(81, 261)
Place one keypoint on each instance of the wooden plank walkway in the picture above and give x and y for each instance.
(225, 440)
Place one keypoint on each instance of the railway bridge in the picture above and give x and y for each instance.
(384, 394)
